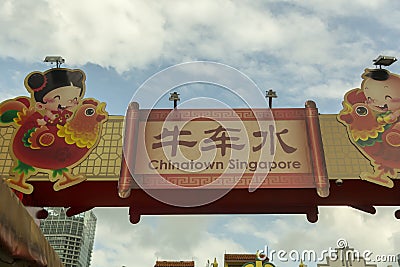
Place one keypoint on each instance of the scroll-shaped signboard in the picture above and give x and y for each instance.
(223, 149)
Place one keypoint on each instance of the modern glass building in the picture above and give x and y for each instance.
(71, 237)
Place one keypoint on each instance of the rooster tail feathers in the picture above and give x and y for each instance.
(8, 116)
(9, 109)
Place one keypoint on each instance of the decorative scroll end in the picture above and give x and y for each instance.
(397, 214)
(312, 215)
(124, 193)
(41, 214)
(323, 191)
(310, 104)
(133, 106)
(134, 217)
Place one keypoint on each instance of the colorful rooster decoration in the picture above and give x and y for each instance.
(371, 115)
(55, 129)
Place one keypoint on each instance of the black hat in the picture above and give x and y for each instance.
(40, 83)
(378, 74)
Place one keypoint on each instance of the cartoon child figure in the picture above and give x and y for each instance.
(57, 93)
(55, 128)
(382, 90)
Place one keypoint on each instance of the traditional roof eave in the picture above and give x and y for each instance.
(20, 237)
(174, 264)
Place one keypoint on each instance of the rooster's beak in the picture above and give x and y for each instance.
(347, 118)
(102, 114)
(100, 118)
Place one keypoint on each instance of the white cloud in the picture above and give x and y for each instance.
(346, 8)
(204, 237)
(333, 89)
(128, 34)
(292, 46)
(377, 233)
(156, 238)
(121, 34)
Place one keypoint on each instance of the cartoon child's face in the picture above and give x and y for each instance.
(62, 98)
(383, 96)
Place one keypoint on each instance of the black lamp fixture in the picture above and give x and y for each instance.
(174, 97)
(384, 61)
(270, 94)
(54, 59)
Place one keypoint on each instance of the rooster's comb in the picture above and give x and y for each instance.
(356, 96)
(90, 101)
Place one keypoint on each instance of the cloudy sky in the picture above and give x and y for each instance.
(302, 49)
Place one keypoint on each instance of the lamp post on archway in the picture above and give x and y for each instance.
(174, 97)
(270, 94)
